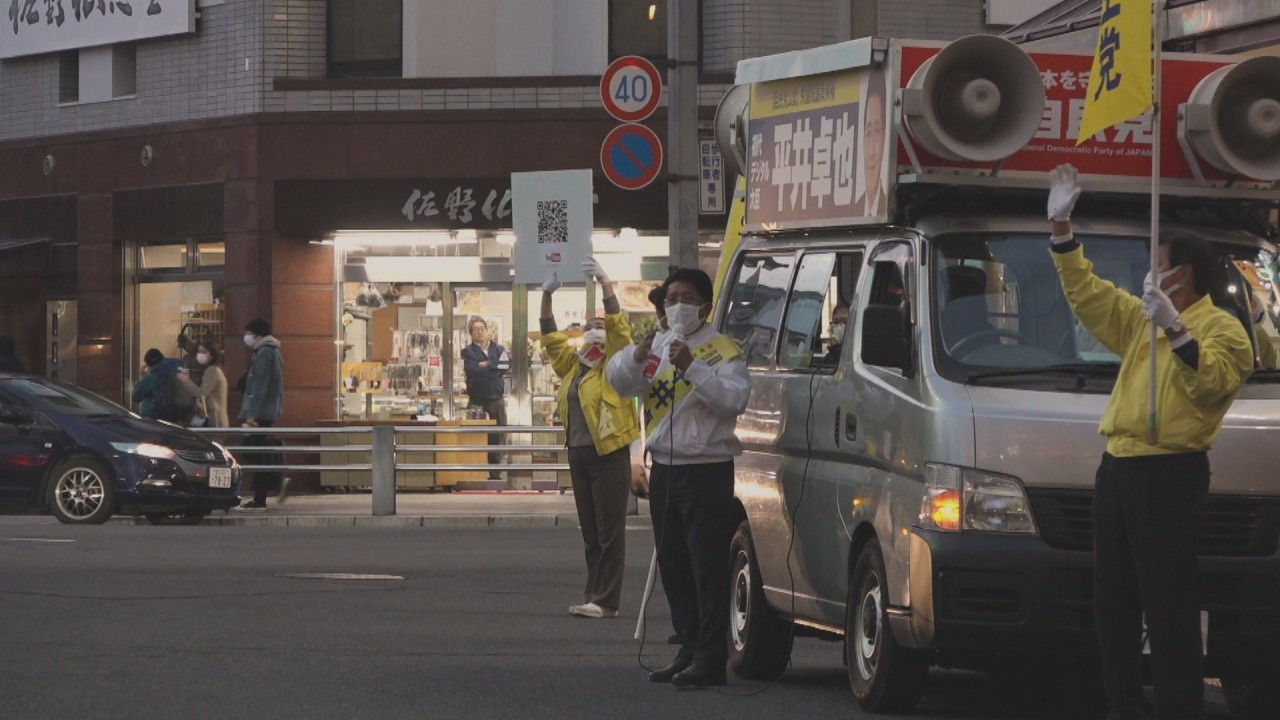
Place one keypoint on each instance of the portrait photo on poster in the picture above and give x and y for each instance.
(873, 155)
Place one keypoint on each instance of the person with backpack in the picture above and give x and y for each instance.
(164, 393)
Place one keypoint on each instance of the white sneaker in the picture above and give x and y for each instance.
(284, 491)
(591, 610)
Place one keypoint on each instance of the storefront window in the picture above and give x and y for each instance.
(163, 257)
(211, 255)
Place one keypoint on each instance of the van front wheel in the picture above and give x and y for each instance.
(886, 677)
(760, 641)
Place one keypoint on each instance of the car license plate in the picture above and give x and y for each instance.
(219, 477)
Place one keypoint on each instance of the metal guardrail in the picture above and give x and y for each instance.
(384, 461)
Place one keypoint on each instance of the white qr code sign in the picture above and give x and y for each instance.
(552, 216)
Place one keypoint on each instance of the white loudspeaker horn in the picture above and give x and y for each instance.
(1233, 118)
(731, 127)
(980, 99)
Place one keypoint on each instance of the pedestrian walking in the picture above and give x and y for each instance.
(485, 362)
(8, 360)
(694, 384)
(164, 392)
(263, 387)
(599, 425)
(1149, 498)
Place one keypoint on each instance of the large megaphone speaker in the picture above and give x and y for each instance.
(1233, 118)
(731, 127)
(981, 99)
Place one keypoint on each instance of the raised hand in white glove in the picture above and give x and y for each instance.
(1064, 189)
(552, 283)
(1160, 309)
(591, 268)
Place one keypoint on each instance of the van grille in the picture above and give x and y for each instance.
(1232, 527)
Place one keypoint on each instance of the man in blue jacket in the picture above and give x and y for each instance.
(485, 362)
(263, 404)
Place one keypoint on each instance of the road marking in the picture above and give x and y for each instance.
(48, 540)
(339, 576)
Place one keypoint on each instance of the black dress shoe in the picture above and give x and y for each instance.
(664, 675)
(700, 674)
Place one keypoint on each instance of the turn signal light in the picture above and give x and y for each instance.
(944, 510)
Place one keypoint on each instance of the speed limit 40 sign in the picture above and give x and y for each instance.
(631, 88)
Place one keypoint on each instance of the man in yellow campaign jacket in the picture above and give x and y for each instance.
(600, 425)
(1149, 498)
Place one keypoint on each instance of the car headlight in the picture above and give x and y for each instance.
(957, 498)
(150, 450)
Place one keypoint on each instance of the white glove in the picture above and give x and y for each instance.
(1064, 189)
(592, 269)
(552, 284)
(1160, 309)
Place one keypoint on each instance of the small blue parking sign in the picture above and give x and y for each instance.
(631, 156)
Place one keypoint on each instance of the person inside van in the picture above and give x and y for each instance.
(839, 325)
(1149, 497)
(695, 384)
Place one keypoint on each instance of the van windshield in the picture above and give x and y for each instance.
(1000, 312)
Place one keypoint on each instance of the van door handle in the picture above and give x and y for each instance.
(850, 426)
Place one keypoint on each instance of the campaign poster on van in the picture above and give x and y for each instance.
(816, 151)
(551, 213)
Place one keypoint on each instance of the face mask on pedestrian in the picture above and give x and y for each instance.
(203, 358)
(592, 351)
(1146, 282)
(684, 319)
(837, 332)
(250, 339)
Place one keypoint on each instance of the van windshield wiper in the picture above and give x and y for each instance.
(1087, 368)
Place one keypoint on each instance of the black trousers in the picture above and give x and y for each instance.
(692, 525)
(264, 481)
(1147, 513)
(497, 410)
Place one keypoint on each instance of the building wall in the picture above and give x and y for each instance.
(932, 19)
(180, 78)
(733, 30)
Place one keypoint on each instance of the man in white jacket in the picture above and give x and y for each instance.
(694, 384)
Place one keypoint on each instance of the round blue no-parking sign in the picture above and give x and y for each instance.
(631, 156)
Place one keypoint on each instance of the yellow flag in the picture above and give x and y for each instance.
(1120, 81)
(732, 230)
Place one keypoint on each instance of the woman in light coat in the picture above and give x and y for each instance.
(600, 426)
(213, 385)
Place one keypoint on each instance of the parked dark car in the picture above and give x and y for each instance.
(84, 458)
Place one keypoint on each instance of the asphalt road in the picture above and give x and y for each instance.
(124, 621)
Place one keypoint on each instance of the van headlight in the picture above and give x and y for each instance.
(957, 498)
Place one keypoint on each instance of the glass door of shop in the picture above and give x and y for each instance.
(175, 300)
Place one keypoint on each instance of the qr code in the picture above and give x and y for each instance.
(553, 221)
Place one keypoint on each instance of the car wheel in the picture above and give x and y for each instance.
(886, 677)
(80, 492)
(178, 518)
(760, 641)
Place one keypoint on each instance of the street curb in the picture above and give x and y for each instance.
(396, 521)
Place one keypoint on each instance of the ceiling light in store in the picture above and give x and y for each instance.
(400, 238)
(628, 233)
(606, 236)
(466, 237)
(653, 11)
(506, 238)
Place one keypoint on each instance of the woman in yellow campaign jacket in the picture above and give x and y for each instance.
(600, 425)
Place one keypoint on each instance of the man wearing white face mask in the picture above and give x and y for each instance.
(600, 425)
(695, 385)
(1149, 499)
(263, 388)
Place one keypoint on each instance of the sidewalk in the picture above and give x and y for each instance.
(511, 508)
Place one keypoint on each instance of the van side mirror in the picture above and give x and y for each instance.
(886, 337)
(16, 416)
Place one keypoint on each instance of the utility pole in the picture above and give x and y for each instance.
(682, 131)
